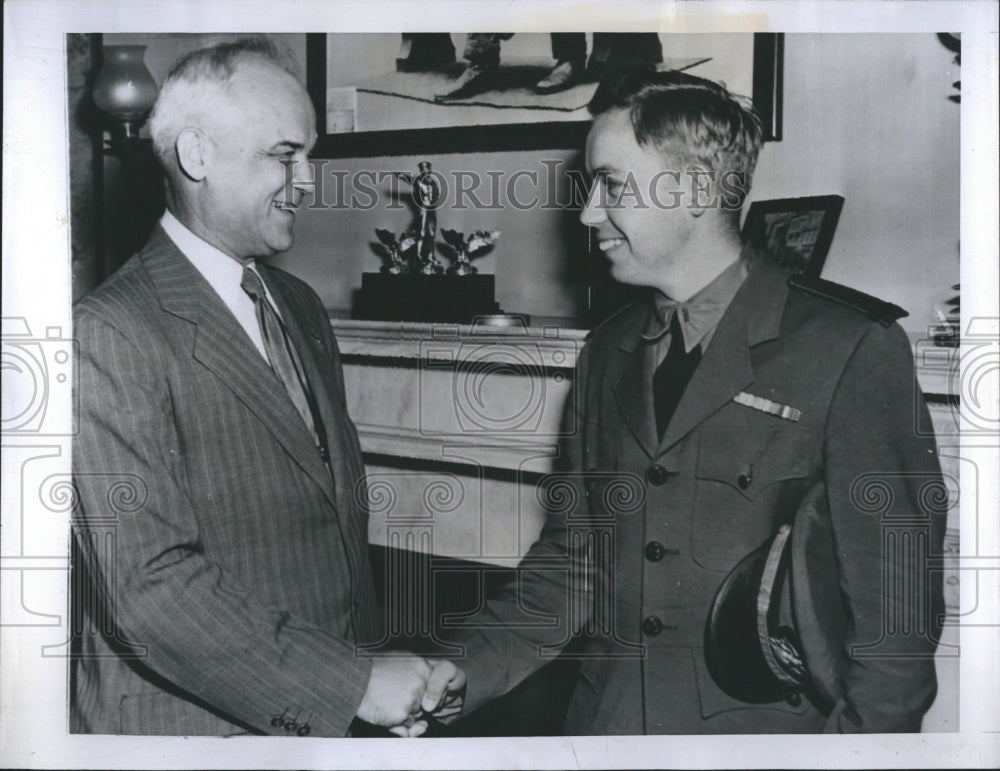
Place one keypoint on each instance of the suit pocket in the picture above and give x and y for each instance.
(747, 483)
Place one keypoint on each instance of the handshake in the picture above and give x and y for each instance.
(402, 689)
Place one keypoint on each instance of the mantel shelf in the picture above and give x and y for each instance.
(548, 346)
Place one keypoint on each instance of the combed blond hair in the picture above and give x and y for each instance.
(688, 119)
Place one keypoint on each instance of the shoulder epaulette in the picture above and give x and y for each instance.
(885, 313)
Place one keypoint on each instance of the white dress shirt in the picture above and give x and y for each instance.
(223, 273)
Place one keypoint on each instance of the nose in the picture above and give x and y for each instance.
(593, 213)
(303, 175)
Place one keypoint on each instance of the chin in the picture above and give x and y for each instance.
(280, 244)
(623, 275)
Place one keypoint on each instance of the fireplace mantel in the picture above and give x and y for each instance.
(487, 396)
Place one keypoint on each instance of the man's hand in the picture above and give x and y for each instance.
(395, 690)
(443, 698)
(401, 688)
(445, 689)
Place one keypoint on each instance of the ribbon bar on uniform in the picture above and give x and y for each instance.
(766, 405)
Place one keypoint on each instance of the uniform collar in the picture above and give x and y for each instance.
(699, 315)
(757, 306)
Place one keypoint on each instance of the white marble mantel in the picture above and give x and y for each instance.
(442, 392)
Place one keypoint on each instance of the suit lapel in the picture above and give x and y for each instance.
(723, 372)
(753, 317)
(223, 347)
(632, 390)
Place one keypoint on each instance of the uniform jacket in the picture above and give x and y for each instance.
(222, 576)
(648, 528)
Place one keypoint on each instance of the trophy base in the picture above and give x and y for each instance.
(416, 297)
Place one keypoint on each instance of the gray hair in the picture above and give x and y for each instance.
(196, 82)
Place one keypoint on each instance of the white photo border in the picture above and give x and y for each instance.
(36, 287)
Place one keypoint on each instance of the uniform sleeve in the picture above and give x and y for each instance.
(887, 503)
(187, 620)
(536, 615)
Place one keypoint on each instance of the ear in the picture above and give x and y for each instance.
(703, 190)
(193, 153)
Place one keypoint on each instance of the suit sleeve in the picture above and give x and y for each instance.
(184, 618)
(888, 507)
(506, 642)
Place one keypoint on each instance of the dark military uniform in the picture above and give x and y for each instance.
(800, 384)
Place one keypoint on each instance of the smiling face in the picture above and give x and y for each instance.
(245, 204)
(638, 206)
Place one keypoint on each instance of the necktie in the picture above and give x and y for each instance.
(284, 359)
(672, 376)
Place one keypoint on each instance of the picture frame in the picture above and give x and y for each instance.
(544, 129)
(795, 232)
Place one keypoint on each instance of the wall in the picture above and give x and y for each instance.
(164, 48)
(865, 116)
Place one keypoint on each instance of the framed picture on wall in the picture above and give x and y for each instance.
(401, 93)
(796, 232)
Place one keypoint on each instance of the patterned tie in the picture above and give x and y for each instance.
(672, 376)
(284, 359)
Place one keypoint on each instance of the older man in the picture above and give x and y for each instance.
(232, 592)
(703, 421)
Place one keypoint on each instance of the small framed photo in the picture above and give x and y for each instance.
(795, 232)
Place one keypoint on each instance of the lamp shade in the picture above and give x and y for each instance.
(124, 88)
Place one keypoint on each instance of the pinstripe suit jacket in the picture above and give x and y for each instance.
(222, 575)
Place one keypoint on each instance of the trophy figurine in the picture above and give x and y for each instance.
(465, 250)
(427, 196)
(396, 249)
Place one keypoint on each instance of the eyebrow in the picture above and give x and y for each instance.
(287, 145)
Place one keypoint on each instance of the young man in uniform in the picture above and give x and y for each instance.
(702, 419)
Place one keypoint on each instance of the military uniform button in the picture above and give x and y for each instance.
(304, 730)
(655, 551)
(743, 481)
(656, 474)
(652, 626)
(794, 699)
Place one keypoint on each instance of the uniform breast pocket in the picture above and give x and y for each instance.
(747, 483)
